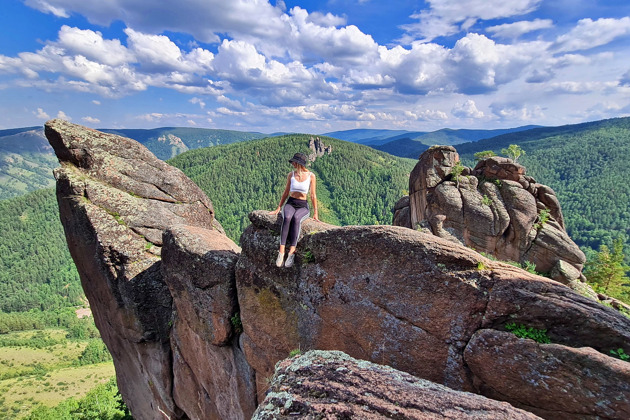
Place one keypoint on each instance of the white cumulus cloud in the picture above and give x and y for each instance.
(516, 29)
(203, 19)
(467, 110)
(592, 33)
(91, 120)
(448, 17)
(62, 115)
(198, 101)
(41, 114)
(90, 44)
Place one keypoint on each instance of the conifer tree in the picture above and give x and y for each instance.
(608, 272)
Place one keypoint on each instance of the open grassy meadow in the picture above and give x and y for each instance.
(44, 367)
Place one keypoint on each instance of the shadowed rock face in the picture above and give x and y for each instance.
(494, 208)
(165, 284)
(330, 384)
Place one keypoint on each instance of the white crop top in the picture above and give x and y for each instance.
(301, 187)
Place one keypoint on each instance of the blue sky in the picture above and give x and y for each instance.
(314, 66)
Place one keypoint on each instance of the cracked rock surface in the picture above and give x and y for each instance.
(332, 385)
(413, 301)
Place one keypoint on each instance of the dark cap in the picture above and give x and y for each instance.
(299, 158)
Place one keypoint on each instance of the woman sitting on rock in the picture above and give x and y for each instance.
(296, 208)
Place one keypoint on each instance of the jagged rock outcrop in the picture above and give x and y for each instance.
(318, 149)
(165, 286)
(116, 200)
(493, 208)
(330, 384)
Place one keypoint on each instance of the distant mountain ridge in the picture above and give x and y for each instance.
(27, 160)
(399, 142)
(413, 146)
(168, 142)
(369, 136)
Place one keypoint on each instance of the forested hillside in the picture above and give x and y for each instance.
(26, 162)
(36, 271)
(356, 184)
(168, 142)
(587, 166)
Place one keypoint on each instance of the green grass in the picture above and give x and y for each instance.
(40, 367)
(25, 392)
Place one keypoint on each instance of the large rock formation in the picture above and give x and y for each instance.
(116, 202)
(493, 208)
(196, 325)
(330, 384)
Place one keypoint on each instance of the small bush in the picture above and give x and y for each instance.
(620, 354)
(236, 323)
(308, 257)
(543, 217)
(521, 331)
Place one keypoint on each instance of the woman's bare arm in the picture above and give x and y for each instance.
(314, 197)
(285, 195)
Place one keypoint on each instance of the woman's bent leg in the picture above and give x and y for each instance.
(287, 218)
(299, 216)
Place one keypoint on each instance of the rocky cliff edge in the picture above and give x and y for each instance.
(196, 324)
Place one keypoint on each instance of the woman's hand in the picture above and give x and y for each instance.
(276, 211)
(316, 217)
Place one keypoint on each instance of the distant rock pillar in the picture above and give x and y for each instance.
(433, 166)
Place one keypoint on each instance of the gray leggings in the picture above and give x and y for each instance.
(294, 213)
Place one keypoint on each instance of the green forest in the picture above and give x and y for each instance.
(355, 184)
(26, 162)
(36, 271)
(587, 167)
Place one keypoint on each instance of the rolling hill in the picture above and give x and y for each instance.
(27, 160)
(411, 145)
(356, 184)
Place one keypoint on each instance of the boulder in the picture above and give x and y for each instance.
(212, 379)
(330, 384)
(402, 216)
(433, 166)
(551, 380)
(494, 208)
